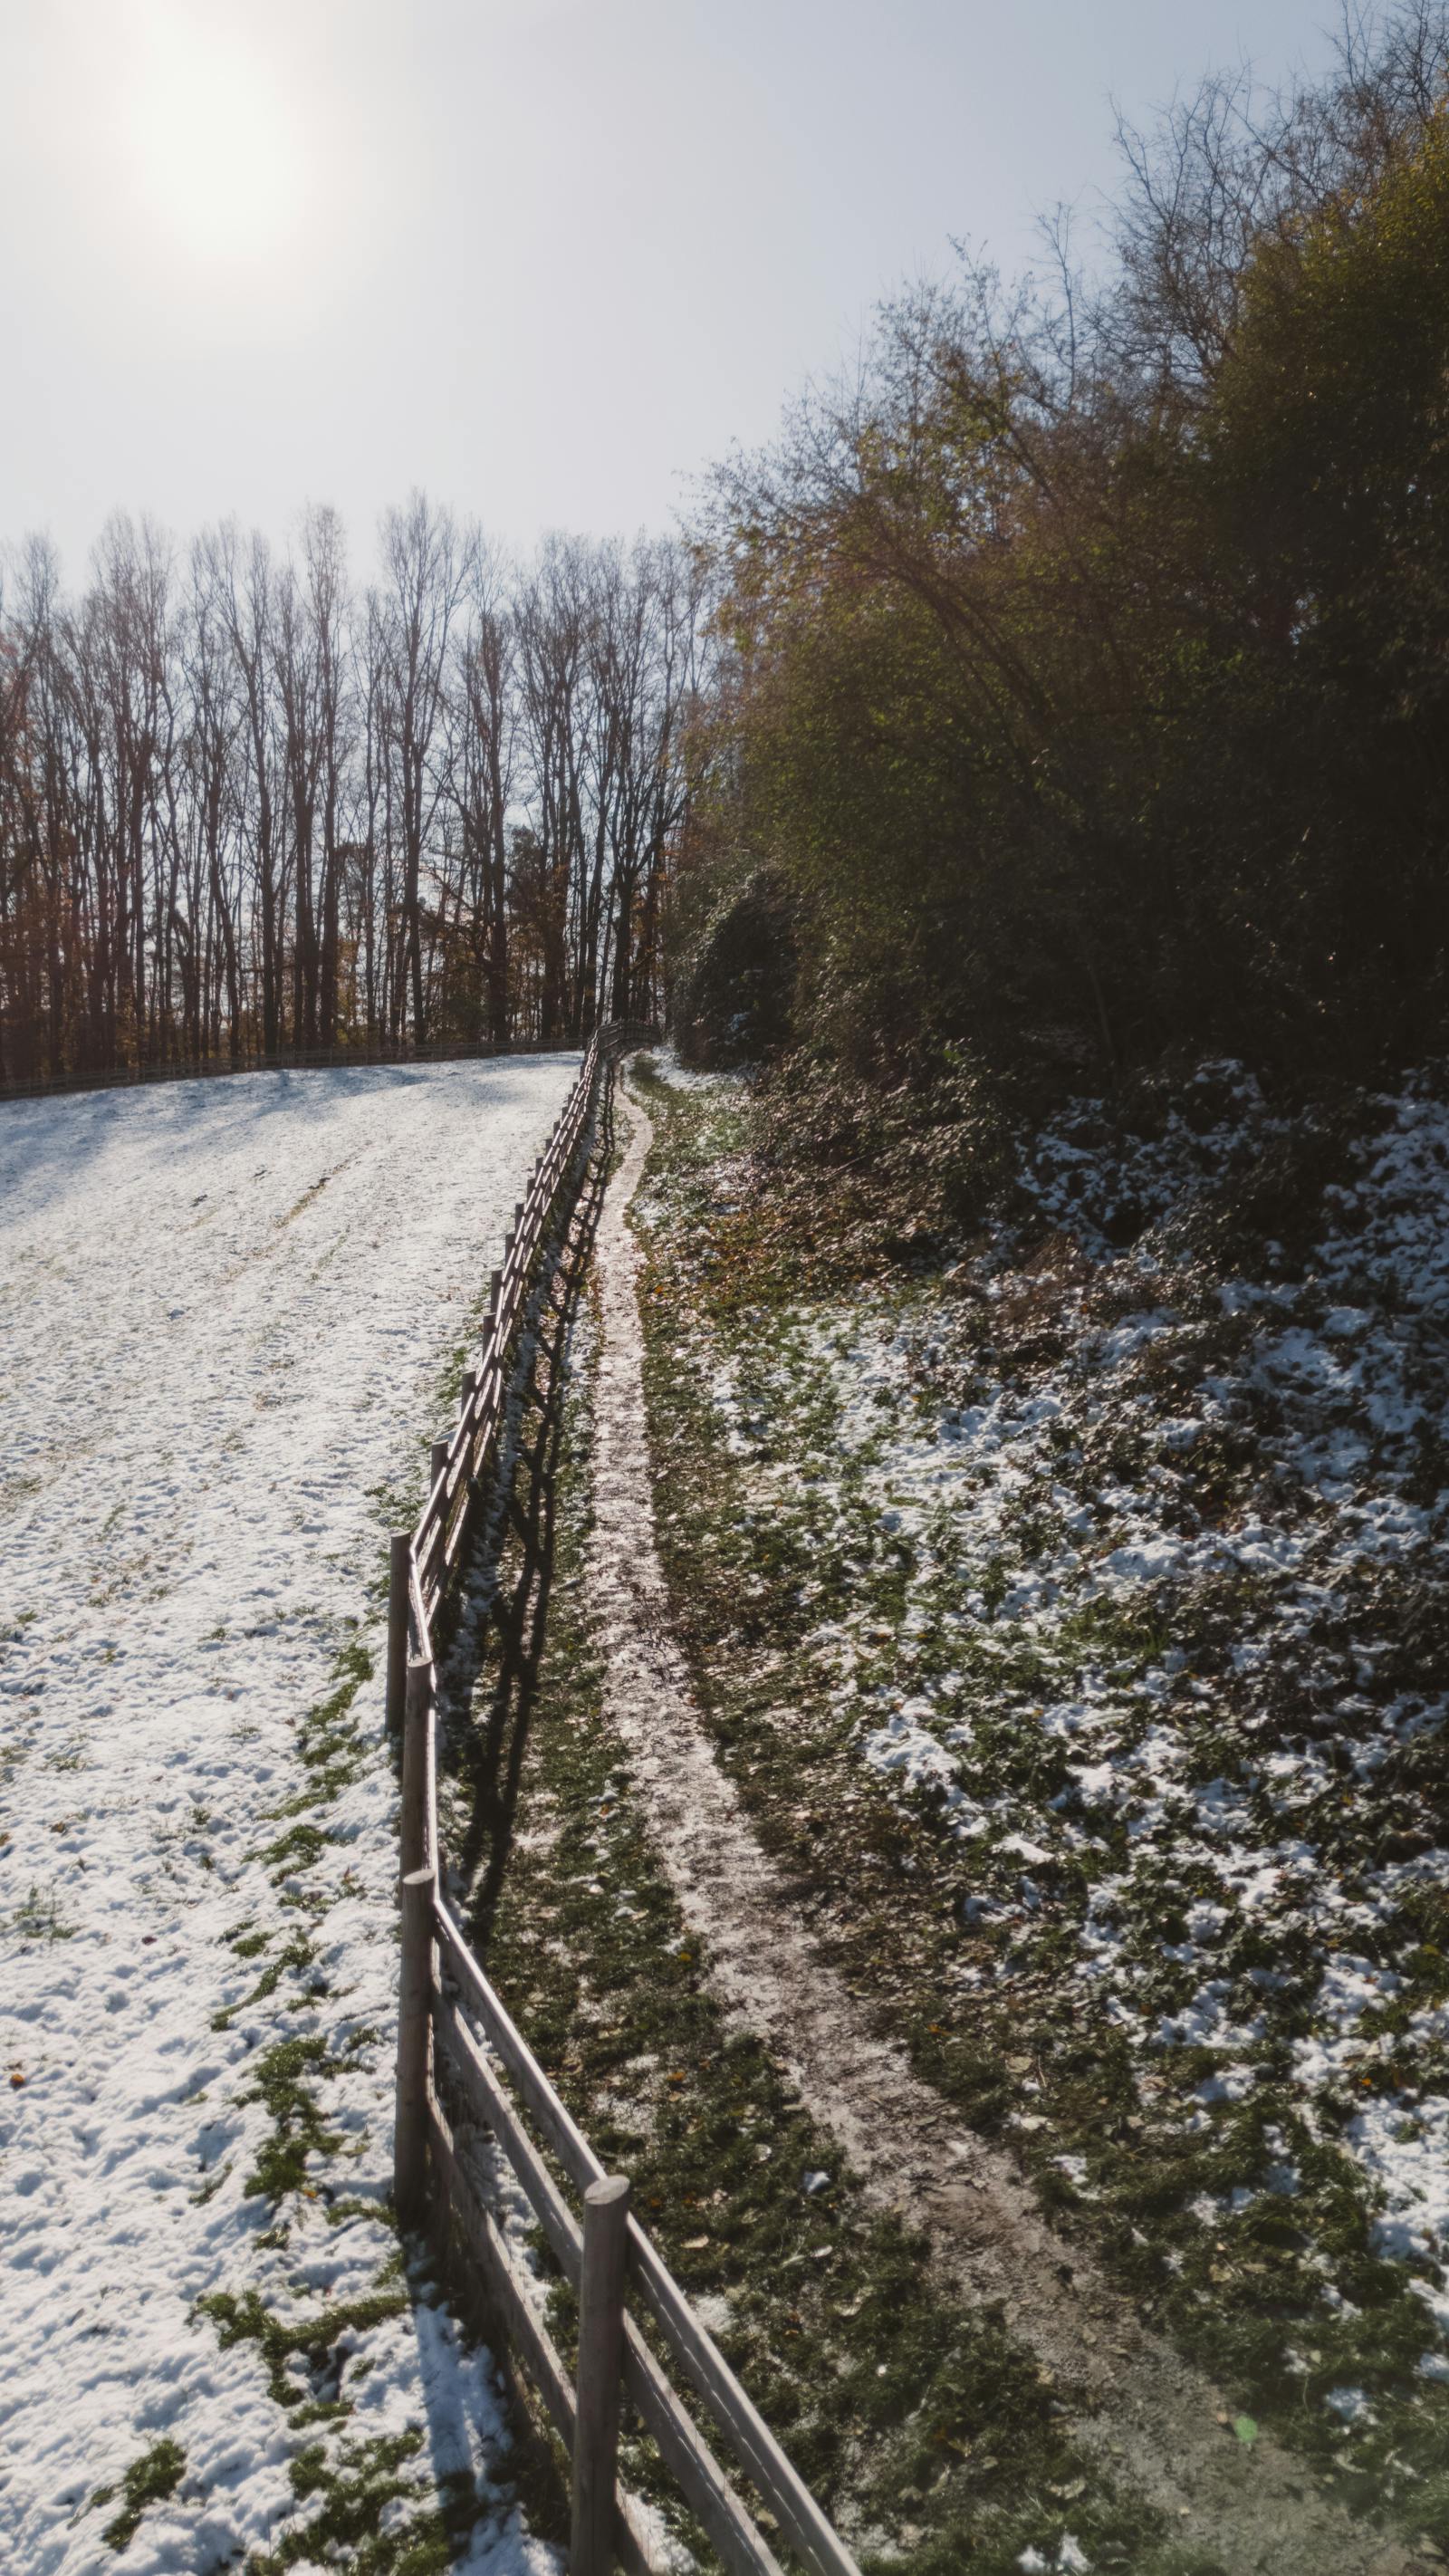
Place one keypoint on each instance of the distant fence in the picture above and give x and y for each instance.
(445, 2002)
(208, 1068)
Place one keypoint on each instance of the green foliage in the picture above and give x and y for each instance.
(1086, 701)
(300, 2351)
(1325, 451)
(150, 2480)
(735, 993)
(298, 2129)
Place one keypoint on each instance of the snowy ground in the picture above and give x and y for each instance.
(225, 1310)
(1118, 1548)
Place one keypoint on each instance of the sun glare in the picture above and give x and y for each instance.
(217, 154)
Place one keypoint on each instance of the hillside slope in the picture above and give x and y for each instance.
(1071, 1619)
(226, 1311)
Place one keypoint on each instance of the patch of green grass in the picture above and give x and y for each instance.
(354, 2493)
(297, 1955)
(331, 1745)
(329, 1740)
(296, 1849)
(150, 2480)
(352, 2485)
(297, 2126)
(37, 1916)
(301, 2351)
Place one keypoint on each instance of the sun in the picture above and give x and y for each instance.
(217, 155)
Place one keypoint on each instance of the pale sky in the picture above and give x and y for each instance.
(544, 258)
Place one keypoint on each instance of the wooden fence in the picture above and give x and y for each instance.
(452, 2024)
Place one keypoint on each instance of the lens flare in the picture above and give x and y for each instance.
(218, 154)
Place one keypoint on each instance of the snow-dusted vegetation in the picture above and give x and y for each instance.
(1112, 1554)
(228, 1309)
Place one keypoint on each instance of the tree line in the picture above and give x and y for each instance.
(1065, 690)
(247, 806)
(1083, 688)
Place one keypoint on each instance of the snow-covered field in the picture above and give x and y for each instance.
(225, 1311)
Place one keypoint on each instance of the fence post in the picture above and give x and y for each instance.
(415, 1839)
(437, 1461)
(414, 2048)
(415, 1968)
(601, 2352)
(399, 1566)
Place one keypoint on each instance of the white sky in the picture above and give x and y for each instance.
(545, 258)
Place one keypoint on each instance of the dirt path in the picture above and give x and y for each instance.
(1149, 2413)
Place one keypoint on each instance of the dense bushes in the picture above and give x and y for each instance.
(1086, 668)
(732, 1004)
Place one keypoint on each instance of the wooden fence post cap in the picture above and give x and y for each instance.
(424, 1878)
(607, 2191)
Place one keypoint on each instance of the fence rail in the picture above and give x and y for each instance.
(451, 2023)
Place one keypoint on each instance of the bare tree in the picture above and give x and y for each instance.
(243, 809)
(426, 574)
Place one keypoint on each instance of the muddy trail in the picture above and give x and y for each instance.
(1141, 2408)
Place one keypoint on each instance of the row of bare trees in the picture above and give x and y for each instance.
(248, 807)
